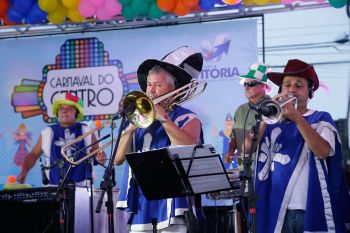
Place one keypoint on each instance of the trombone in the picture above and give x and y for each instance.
(142, 115)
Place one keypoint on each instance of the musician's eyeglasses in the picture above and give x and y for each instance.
(251, 84)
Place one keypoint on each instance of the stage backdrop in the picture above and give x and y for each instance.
(100, 68)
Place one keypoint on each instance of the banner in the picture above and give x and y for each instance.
(101, 68)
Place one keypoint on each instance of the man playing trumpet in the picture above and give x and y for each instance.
(176, 126)
(299, 178)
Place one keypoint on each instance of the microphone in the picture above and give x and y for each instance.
(44, 178)
(266, 108)
(92, 144)
(130, 108)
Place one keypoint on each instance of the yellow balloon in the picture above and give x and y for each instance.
(261, 2)
(48, 5)
(74, 15)
(248, 2)
(57, 16)
(71, 4)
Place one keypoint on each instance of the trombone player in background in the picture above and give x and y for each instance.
(299, 179)
(68, 109)
(176, 126)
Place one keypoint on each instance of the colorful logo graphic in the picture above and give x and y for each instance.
(214, 52)
(83, 68)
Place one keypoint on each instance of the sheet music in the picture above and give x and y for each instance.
(203, 184)
(186, 151)
(209, 165)
(207, 173)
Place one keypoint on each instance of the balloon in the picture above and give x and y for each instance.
(288, 1)
(48, 5)
(86, 9)
(4, 5)
(181, 9)
(71, 4)
(102, 14)
(261, 2)
(128, 12)
(35, 15)
(140, 7)
(58, 15)
(75, 16)
(7, 21)
(206, 5)
(166, 5)
(113, 7)
(154, 11)
(125, 2)
(14, 16)
(337, 3)
(232, 2)
(97, 3)
(22, 6)
(190, 3)
(11, 179)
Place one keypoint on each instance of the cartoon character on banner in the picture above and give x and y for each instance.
(226, 135)
(22, 137)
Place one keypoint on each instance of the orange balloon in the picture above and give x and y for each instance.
(7, 21)
(98, 123)
(11, 179)
(4, 5)
(231, 2)
(181, 9)
(166, 5)
(190, 3)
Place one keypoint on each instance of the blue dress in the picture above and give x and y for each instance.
(281, 156)
(131, 197)
(56, 136)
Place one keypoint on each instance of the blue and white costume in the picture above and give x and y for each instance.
(289, 175)
(56, 136)
(131, 197)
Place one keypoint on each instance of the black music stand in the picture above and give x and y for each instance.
(178, 171)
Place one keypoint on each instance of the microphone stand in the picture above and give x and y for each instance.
(247, 176)
(108, 178)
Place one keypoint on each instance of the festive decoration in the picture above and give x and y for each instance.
(133, 8)
(337, 3)
(103, 9)
(55, 11)
(21, 11)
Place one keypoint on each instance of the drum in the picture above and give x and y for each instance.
(235, 192)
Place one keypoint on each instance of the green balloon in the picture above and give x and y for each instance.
(128, 12)
(140, 6)
(154, 11)
(337, 3)
(125, 2)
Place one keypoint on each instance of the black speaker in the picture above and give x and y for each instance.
(35, 210)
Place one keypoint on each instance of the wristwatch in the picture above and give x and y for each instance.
(164, 119)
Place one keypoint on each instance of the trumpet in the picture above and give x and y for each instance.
(276, 108)
(142, 114)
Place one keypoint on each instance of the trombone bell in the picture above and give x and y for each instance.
(144, 112)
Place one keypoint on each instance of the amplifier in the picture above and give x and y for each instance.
(36, 210)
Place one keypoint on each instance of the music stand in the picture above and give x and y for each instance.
(178, 171)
